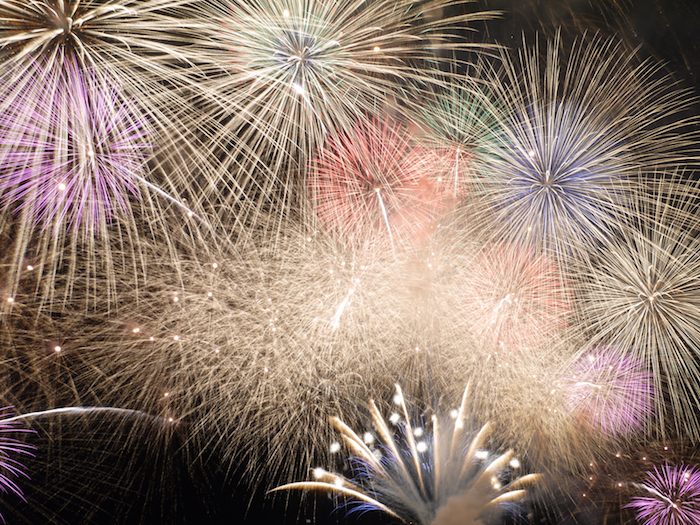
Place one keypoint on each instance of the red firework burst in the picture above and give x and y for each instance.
(517, 298)
(375, 180)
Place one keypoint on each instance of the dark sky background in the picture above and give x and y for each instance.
(98, 472)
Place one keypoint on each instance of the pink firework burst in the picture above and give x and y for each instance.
(375, 179)
(71, 149)
(11, 449)
(672, 496)
(516, 298)
(610, 391)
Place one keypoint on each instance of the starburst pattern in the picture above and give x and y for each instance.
(77, 158)
(376, 179)
(92, 95)
(610, 392)
(672, 496)
(459, 121)
(560, 172)
(640, 294)
(298, 201)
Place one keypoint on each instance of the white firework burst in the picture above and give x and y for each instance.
(640, 292)
(425, 476)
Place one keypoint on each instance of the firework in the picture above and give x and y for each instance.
(277, 337)
(423, 476)
(672, 496)
(283, 76)
(516, 299)
(11, 449)
(78, 156)
(459, 123)
(559, 174)
(266, 342)
(91, 93)
(375, 179)
(611, 392)
(639, 293)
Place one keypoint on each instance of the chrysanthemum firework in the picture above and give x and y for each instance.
(284, 76)
(612, 393)
(374, 179)
(575, 127)
(459, 122)
(88, 88)
(671, 496)
(140, 48)
(429, 476)
(640, 294)
(72, 152)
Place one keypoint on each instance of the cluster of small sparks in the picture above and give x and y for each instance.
(255, 214)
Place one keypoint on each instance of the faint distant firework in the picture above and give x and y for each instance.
(672, 496)
(433, 473)
(640, 293)
(459, 121)
(611, 392)
(515, 299)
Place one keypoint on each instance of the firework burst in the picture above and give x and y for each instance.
(673, 496)
(283, 76)
(277, 337)
(560, 172)
(77, 158)
(516, 298)
(91, 90)
(639, 293)
(423, 476)
(611, 392)
(459, 123)
(376, 179)
(266, 342)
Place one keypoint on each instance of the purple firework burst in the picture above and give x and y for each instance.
(673, 496)
(71, 149)
(11, 449)
(610, 391)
